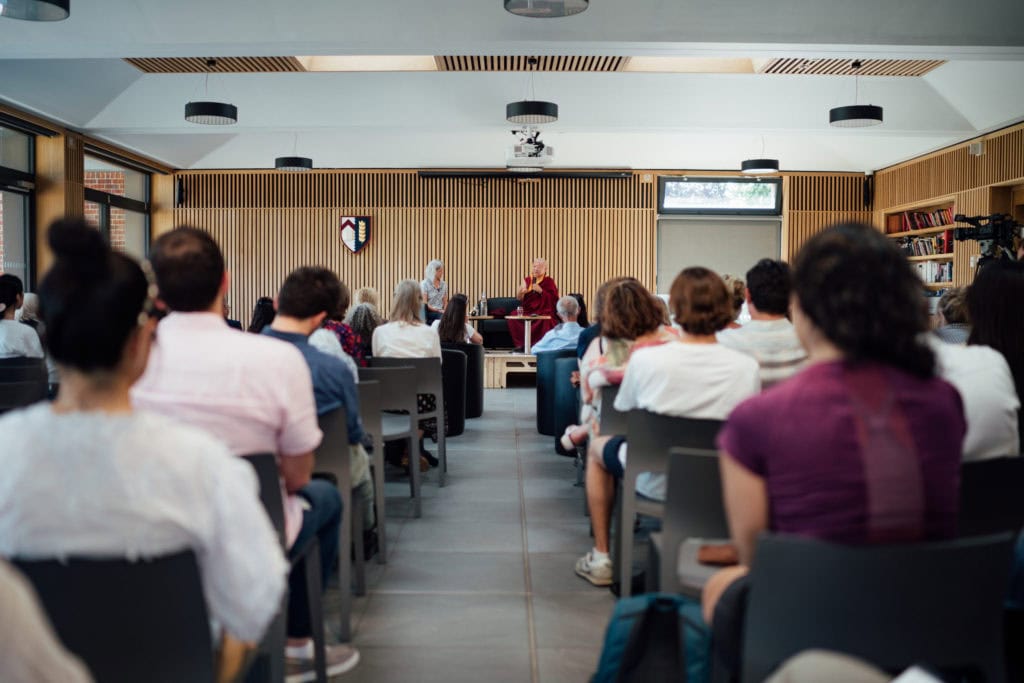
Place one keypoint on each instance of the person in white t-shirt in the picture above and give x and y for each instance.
(90, 476)
(768, 336)
(695, 377)
(17, 340)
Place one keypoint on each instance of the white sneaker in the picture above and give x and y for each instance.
(340, 659)
(597, 572)
(566, 440)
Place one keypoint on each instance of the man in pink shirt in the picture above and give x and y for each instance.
(252, 392)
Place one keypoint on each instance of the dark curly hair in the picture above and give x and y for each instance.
(993, 303)
(701, 302)
(769, 284)
(629, 310)
(856, 287)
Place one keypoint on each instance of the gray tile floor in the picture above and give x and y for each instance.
(481, 588)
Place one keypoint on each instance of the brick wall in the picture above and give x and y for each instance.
(112, 182)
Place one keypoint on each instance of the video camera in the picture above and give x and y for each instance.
(995, 234)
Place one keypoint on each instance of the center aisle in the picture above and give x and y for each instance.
(482, 588)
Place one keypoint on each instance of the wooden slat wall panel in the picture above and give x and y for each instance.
(185, 65)
(842, 67)
(815, 201)
(522, 63)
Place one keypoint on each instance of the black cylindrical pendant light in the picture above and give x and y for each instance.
(546, 9)
(531, 112)
(211, 113)
(855, 116)
(35, 10)
(756, 166)
(293, 163)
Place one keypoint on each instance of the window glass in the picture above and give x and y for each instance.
(14, 235)
(721, 195)
(129, 232)
(108, 177)
(16, 150)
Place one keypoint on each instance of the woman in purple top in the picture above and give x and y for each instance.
(864, 445)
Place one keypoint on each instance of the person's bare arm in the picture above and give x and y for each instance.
(746, 505)
(233, 658)
(523, 289)
(296, 470)
(476, 338)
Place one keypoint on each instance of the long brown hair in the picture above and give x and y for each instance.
(452, 328)
(629, 310)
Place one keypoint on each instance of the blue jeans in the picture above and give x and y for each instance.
(322, 520)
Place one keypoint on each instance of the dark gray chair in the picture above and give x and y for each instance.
(474, 376)
(453, 377)
(398, 393)
(891, 605)
(129, 621)
(991, 496)
(23, 381)
(495, 332)
(371, 414)
(546, 380)
(693, 509)
(332, 457)
(566, 399)
(428, 380)
(271, 650)
(651, 436)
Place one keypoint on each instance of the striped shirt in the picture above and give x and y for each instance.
(772, 343)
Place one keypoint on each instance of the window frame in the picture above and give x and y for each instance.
(23, 183)
(663, 181)
(106, 200)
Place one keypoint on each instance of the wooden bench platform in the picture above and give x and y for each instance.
(497, 367)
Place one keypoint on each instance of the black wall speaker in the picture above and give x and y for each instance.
(179, 192)
(869, 190)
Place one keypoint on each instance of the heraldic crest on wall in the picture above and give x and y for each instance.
(355, 232)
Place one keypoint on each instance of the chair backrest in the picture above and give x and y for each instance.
(652, 435)
(397, 386)
(129, 621)
(474, 376)
(693, 505)
(332, 454)
(271, 496)
(20, 394)
(369, 405)
(991, 496)
(21, 369)
(453, 377)
(428, 374)
(612, 421)
(892, 605)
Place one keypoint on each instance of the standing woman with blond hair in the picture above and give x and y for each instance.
(434, 290)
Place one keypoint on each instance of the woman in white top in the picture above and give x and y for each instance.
(434, 290)
(406, 336)
(88, 476)
(17, 340)
(452, 327)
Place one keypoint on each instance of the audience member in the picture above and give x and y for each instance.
(31, 652)
(351, 343)
(737, 293)
(592, 331)
(694, 377)
(452, 327)
(364, 319)
(89, 476)
(16, 340)
(581, 317)
(993, 303)
(329, 340)
(302, 305)
(252, 392)
(232, 323)
(864, 445)
(29, 315)
(769, 337)
(262, 314)
(953, 321)
(434, 290)
(367, 295)
(566, 334)
(406, 336)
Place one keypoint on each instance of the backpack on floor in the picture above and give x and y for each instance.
(653, 638)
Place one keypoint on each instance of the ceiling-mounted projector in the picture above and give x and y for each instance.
(529, 154)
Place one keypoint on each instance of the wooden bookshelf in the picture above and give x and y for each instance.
(937, 285)
(921, 231)
(931, 257)
(895, 221)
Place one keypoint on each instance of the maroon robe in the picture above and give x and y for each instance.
(536, 304)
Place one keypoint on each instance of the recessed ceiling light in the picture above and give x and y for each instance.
(546, 9)
(368, 63)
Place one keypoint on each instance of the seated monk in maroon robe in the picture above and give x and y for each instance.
(539, 295)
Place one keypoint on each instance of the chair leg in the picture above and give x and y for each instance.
(316, 614)
(442, 451)
(356, 532)
(414, 477)
(627, 516)
(345, 562)
(378, 500)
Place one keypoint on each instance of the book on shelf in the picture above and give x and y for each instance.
(917, 220)
(935, 271)
(929, 245)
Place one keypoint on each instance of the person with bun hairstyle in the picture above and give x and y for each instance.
(91, 476)
(693, 377)
(863, 445)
